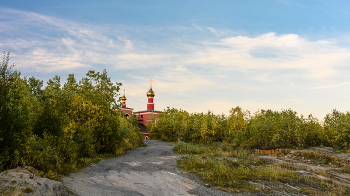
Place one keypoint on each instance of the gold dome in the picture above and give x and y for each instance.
(123, 98)
(150, 93)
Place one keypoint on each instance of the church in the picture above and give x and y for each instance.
(145, 116)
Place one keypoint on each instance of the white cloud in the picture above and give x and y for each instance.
(214, 31)
(318, 59)
(197, 27)
(50, 44)
(331, 86)
(180, 68)
(91, 44)
(128, 44)
(191, 67)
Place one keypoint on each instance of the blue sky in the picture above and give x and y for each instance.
(202, 55)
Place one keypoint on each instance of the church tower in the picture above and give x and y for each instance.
(128, 111)
(150, 94)
(123, 98)
(144, 116)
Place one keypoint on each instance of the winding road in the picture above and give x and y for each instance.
(149, 170)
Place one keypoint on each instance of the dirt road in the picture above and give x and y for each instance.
(149, 170)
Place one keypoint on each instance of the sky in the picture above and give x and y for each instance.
(203, 55)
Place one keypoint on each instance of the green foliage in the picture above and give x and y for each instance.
(218, 172)
(237, 170)
(18, 108)
(264, 129)
(215, 149)
(28, 189)
(272, 129)
(233, 175)
(53, 128)
(237, 126)
(187, 148)
(337, 127)
(174, 124)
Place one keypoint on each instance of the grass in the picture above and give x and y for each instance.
(28, 189)
(216, 149)
(232, 175)
(216, 172)
(325, 159)
(344, 170)
(214, 164)
(78, 164)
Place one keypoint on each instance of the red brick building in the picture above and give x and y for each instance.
(145, 116)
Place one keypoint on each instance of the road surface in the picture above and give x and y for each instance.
(149, 170)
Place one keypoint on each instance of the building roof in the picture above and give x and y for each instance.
(143, 128)
(148, 111)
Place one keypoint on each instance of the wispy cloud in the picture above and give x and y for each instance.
(331, 86)
(85, 45)
(318, 59)
(49, 44)
(195, 63)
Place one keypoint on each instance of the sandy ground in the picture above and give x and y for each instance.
(149, 170)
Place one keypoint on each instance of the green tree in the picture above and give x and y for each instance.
(237, 126)
(18, 112)
(337, 129)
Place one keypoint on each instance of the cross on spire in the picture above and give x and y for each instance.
(150, 80)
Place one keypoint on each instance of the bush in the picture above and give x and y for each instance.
(264, 129)
(54, 128)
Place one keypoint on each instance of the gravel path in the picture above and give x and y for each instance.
(149, 170)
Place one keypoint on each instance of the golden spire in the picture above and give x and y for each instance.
(150, 92)
(123, 98)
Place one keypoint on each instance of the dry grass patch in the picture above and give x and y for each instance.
(216, 149)
(232, 175)
(237, 170)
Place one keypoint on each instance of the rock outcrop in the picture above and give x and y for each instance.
(24, 181)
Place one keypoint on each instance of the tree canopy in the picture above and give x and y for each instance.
(48, 127)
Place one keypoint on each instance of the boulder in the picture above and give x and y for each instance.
(24, 181)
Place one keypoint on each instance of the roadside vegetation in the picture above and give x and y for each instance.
(238, 152)
(240, 170)
(264, 129)
(61, 127)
